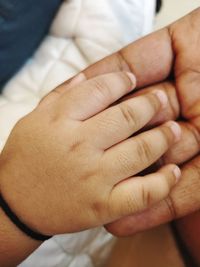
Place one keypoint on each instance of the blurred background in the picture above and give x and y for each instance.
(173, 9)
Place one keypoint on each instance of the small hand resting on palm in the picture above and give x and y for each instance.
(73, 163)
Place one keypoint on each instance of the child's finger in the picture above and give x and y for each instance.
(171, 111)
(61, 89)
(93, 96)
(137, 153)
(121, 121)
(139, 193)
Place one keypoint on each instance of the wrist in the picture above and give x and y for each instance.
(11, 253)
(17, 200)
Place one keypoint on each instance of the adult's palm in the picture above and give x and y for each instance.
(170, 60)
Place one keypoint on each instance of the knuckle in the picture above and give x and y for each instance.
(174, 108)
(99, 210)
(144, 150)
(167, 137)
(140, 201)
(124, 79)
(153, 102)
(129, 115)
(171, 207)
(146, 197)
(122, 62)
(100, 89)
(76, 145)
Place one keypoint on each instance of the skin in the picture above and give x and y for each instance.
(152, 60)
(169, 58)
(59, 154)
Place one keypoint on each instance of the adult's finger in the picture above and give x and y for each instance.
(183, 200)
(185, 38)
(186, 149)
(149, 58)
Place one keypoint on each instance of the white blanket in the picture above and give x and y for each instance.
(83, 32)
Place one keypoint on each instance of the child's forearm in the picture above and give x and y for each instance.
(15, 246)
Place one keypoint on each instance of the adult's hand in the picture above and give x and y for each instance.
(172, 55)
(58, 155)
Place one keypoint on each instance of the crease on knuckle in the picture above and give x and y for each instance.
(76, 145)
(154, 103)
(173, 102)
(171, 207)
(195, 132)
(146, 198)
(144, 151)
(101, 90)
(129, 115)
(167, 137)
(123, 63)
(98, 210)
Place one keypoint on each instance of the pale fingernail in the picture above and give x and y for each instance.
(177, 173)
(132, 78)
(162, 96)
(176, 129)
(78, 79)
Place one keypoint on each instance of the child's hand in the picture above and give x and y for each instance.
(69, 166)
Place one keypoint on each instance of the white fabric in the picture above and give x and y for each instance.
(83, 32)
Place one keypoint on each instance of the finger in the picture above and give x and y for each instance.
(186, 148)
(171, 111)
(187, 72)
(137, 153)
(61, 89)
(95, 95)
(149, 58)
(140, 193)
(183, 200)
(121, 121)
(189, 144)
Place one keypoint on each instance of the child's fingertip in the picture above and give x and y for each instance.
(132, 78)
(162, 96)
(177, 173)
(79, 78)
(176, 130)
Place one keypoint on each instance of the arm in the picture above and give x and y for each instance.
(15, 246)
(58, 155)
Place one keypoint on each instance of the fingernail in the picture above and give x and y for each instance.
(162, 96)
(78, 79)
(176, 129)
(132, 78)
(177, 173)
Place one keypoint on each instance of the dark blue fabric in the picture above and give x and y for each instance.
(23, 24)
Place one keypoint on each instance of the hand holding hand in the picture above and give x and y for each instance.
(69, 166)
(171, 58)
